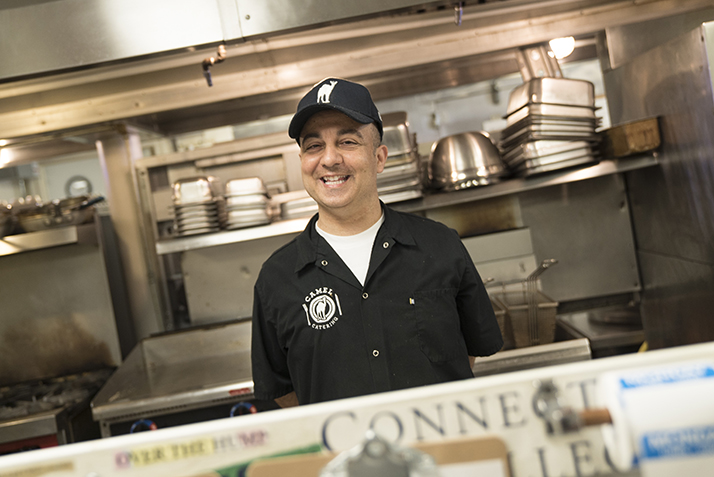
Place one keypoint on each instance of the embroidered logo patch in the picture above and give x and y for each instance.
(323, 94)
(322, 308)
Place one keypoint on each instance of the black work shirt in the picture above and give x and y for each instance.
(422, 311)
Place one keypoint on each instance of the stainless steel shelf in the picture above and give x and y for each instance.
(431, 201)
(67, 235)
(183, 244)
(516, 185)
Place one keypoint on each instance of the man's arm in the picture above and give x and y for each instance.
(271, 375)
(472, 360)
(478, 321)
(291, 400)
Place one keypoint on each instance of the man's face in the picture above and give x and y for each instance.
(340, 159)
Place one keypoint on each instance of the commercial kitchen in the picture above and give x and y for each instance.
(146, 174)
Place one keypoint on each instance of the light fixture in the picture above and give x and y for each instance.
(562, 47)
(5, 157)
(4, 142)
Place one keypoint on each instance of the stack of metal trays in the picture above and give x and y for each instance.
(402, 178)
(246, 203)
(550, 125)
(294, 205)
(198, 206)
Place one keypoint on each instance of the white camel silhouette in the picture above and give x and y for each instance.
(323, 94)
(320, 309)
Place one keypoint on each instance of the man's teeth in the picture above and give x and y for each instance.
(334, 179)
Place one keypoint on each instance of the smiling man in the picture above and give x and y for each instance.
(340, 159)
(366, 299)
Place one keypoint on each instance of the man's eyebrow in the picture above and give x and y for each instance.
(342, 132)
(308, 136)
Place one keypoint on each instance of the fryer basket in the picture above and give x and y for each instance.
(518, 313)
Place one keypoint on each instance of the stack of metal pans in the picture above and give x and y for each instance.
(550, 125)
(295, 204)
(402, 178)
(198, 206)
(246, 203)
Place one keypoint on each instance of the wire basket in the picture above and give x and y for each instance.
(531, 316)
(529, 313)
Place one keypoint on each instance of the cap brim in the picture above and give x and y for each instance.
(300, 118)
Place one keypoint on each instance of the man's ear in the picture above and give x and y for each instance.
(381, 154)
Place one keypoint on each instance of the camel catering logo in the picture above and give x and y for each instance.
(325, 91)
(322, 308)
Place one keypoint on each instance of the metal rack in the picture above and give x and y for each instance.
(28, 242)
(432, 201)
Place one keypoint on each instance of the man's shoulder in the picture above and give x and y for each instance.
(283, 256)
(419, 224)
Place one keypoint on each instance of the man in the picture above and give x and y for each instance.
(366, 299)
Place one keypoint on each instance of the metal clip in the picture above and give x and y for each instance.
(560, 419)
(375, 457)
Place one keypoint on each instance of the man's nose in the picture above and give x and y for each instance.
(331, 156)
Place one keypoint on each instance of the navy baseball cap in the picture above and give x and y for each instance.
(344, 96)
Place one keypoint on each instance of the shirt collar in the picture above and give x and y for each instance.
(307, 242)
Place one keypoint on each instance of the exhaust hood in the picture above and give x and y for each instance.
(39, 37)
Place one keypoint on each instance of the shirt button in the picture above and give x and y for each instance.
(385, 245)
(375, 353)
(365, 295)
(324, 263)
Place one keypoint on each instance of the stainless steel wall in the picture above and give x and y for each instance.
(56, 316)
(673, 204)
(219, 280)
(585, 225)
(39, 37)
(67, 34)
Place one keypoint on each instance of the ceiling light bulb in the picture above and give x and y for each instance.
(562, 47)
(5, 157)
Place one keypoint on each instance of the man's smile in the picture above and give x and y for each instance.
(335, 180)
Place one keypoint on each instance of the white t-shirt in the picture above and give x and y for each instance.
(354, 250)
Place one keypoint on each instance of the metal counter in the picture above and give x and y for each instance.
(177, 372)
(203, 367)
(600, 326)
(493, 406)
(533, 357)
(52, 422)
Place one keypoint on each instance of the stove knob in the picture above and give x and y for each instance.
(143, 425)
(243, 408)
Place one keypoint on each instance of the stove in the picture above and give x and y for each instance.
(49, 412)
(181, 377)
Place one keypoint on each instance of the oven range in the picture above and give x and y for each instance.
(49, 412)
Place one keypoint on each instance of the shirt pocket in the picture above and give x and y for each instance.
(438, 325)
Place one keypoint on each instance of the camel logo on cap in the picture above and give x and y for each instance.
(323, 94)
(322, 308)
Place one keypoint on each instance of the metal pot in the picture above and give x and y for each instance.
(70, 211)
(465, 160)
